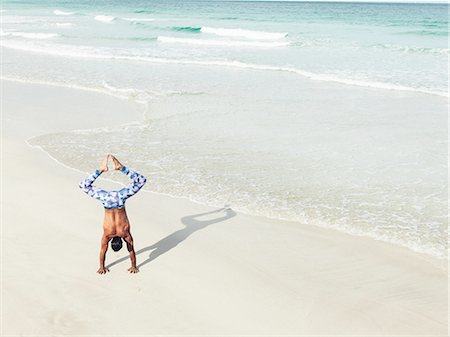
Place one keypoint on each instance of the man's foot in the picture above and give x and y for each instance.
(133, 270)
(117, 164)
(102, 270)
(104, 165)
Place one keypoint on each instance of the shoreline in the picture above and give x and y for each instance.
(442, 260)
(324, 275)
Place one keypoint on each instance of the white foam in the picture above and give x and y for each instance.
(17, 19)
(59, 12)
(138, 19)
(410, 49)
(249, 34)
(139, 96)
(117, 93)
(105, 18)
(92, 53)
(33, 36)
(136, 95)
(64, 24)
(223, 43)
(144, 95)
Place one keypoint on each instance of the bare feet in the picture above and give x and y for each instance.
(117, 164)
(104, 165)
(133, 270)
(102, 270)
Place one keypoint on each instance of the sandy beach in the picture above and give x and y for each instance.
(203, 270)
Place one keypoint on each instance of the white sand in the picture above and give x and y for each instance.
(222, 273)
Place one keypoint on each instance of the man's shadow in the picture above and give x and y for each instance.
(192, 223)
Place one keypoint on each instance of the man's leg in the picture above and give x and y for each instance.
(104, 248)
(129, 240)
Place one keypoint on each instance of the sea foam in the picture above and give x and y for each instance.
(33, 36)
(138, 19)
(59, 12)
(64, 24)
(105, 18)
(223, 43)
(249, 34)
(411, 49)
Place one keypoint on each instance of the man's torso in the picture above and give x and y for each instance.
(115, 223)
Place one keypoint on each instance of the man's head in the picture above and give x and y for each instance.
(116, 243)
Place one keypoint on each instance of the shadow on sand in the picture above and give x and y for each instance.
(192, 223)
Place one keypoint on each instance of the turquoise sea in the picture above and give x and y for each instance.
(331, 114)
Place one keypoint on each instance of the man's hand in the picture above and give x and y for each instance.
(102, 270)
(117, 164)
(133, 270)
(104, 165)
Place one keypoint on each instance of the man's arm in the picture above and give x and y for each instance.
(129, 240)
(103, 249)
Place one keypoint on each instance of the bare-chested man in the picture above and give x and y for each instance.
(115, 224)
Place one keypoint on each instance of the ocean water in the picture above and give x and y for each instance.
(331, 114)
